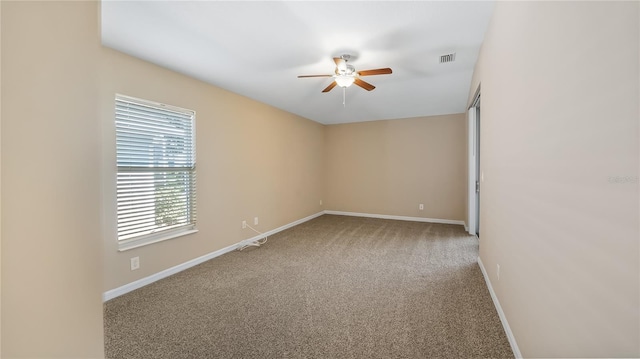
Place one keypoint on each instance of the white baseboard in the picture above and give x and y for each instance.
(503, 318)
(110, 294)
(399, 218)
(113, 293)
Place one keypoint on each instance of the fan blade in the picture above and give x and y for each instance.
(332, 85)
(305, 76)
(365, 85)
(384, 71)
(340, 63)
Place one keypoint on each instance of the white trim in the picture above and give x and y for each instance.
(159, 237)
(471, 183)
(503, 317)
(113, 293)
(399, 218)
(110, 294)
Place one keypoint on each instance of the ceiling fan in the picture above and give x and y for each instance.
(346, 75)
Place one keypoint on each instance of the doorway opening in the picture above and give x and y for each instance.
(475, 174)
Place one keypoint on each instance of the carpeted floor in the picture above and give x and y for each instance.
(333, 287)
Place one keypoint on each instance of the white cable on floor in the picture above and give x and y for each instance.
(257, 242)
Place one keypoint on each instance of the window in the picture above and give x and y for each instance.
(156, 182)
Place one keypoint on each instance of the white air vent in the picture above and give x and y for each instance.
(448, 58)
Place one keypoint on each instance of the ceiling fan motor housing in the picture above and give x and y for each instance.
(347, 70)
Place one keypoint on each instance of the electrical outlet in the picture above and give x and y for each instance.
(421, 206)
(498, 271)
(321, 202)
(135, 263)
(244, 224)
(255, 221)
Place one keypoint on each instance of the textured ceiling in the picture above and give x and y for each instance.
(257, 49)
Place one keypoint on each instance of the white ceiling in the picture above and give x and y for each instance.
(257, 49)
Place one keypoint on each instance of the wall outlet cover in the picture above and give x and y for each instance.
(135, 263)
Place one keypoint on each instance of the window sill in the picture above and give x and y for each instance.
(136, 243)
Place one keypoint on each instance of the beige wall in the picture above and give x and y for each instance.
(556, 131)
(390, 167)
(252, 160)
(559, 132)
(51, 240)
(0, 180)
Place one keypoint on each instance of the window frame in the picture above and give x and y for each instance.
(162, 235)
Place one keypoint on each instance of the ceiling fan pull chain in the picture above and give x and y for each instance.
(344, 97)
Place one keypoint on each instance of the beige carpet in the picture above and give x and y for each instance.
(333, 287)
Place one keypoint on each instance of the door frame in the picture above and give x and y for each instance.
(473, 161)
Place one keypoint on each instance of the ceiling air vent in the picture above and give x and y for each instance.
(448, 58)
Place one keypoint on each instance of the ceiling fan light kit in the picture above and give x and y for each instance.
(346, 75)
(345, 80)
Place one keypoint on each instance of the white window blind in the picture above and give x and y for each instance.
(156, 183)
